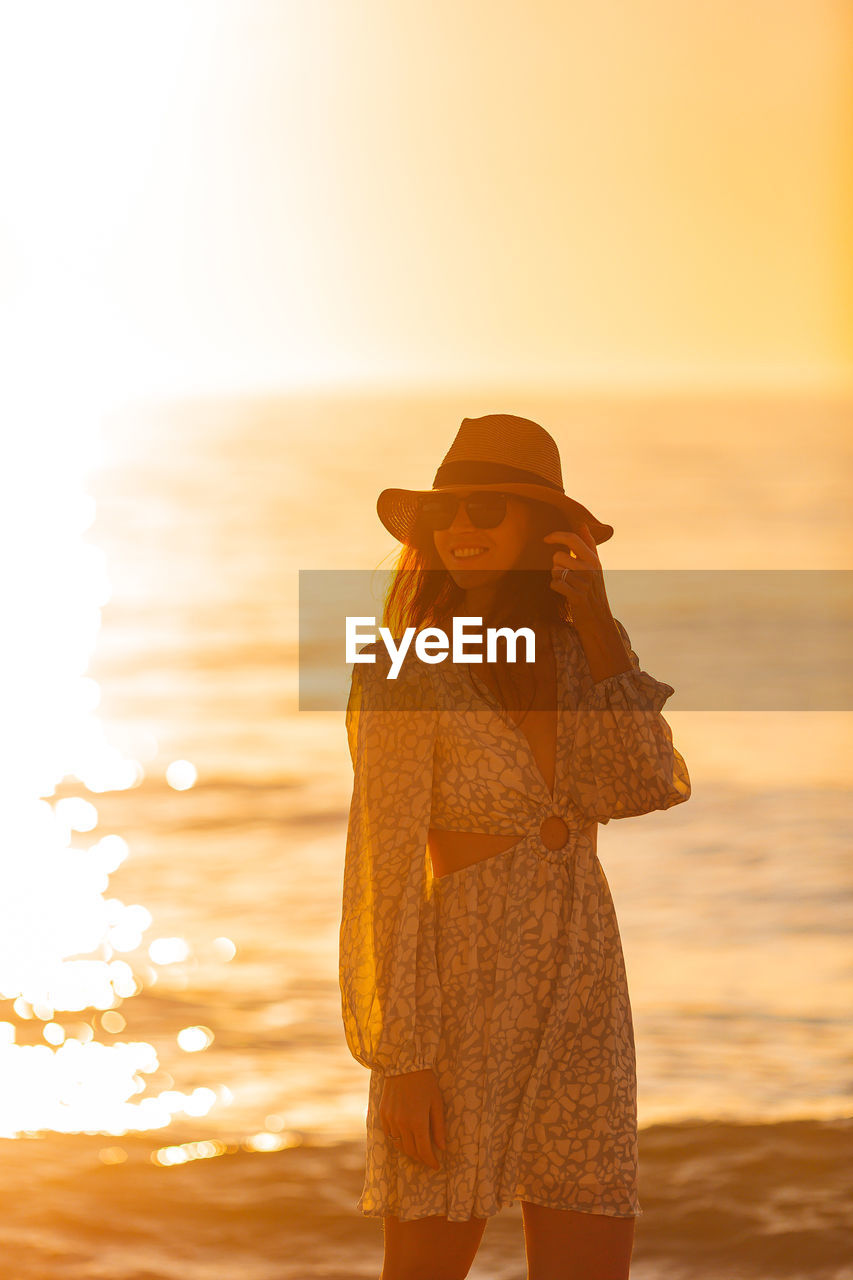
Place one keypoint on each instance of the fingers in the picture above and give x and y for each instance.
(563, 560)
(413, 1120)
(416, 1144)
(578, 571)
(579, 585)
(579, 594)
(423, 1147)
(587, 536)
(576, 552)
(580, 541)
(572, 550)
(437, 1121)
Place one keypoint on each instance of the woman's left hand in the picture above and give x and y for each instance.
(584, 587)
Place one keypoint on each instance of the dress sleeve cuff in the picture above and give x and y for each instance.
(628, 690)
(418, 1062)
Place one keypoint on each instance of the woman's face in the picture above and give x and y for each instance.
(476, 557)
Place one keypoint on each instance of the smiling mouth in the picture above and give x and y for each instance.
(468, 553)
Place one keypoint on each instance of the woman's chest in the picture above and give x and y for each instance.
(482, 752)
(540, 728)
(503, 720)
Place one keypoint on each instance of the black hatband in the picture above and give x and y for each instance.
(465, 472)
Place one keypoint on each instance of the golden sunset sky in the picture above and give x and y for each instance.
(241, 194)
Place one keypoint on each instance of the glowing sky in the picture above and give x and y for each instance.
(239, 193)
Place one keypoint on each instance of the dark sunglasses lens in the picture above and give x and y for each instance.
(437, 512)
(486, 510)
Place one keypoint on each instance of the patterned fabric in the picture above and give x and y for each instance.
(506, 977)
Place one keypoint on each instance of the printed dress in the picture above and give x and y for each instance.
(507, 977)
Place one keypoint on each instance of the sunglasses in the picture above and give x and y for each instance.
(485, 510)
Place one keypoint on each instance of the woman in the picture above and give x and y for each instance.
(481, 967)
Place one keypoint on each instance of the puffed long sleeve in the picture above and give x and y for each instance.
(624, 762)
(390, 993)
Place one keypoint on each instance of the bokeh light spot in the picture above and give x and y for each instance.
(181, 775)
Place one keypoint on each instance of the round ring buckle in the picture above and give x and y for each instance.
(554, 833)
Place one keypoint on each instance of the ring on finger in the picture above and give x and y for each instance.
(564, 575)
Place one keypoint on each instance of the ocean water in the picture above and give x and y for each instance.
(734, 908)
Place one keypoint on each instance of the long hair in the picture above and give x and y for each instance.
(422, 592)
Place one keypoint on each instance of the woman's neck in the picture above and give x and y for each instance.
(478, 601)
(477, 604)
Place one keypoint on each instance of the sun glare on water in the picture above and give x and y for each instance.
(64, 938)
(66, 943)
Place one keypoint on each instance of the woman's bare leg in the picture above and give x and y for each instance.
(563, 1244)
(430, 1248)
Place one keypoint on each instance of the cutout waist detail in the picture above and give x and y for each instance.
(453, 850)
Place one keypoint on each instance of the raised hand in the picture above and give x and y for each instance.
(583, 584)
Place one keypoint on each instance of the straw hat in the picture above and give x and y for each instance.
(499, 452)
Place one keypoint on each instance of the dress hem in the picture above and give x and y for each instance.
(379, 1211)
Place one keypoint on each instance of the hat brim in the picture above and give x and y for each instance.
(398, 508)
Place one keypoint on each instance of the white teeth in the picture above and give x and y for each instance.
(468, 551)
